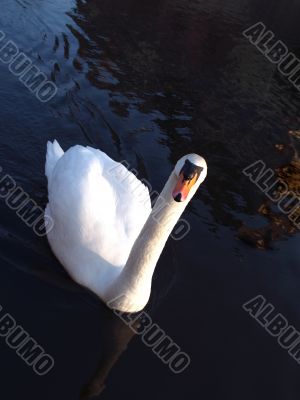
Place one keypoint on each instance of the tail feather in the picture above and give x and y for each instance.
(54, 153)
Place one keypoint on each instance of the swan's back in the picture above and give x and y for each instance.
(98, 208)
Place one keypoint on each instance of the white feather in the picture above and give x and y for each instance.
(104, 233)
(98, 208)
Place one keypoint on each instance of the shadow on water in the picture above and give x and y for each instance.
(117, 336)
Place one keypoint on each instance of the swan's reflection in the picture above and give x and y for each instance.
(116, 337)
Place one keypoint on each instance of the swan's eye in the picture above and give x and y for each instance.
(188, 176)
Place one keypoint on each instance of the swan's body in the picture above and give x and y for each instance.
(99, 209)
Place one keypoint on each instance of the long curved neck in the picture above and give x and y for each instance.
(131, 290)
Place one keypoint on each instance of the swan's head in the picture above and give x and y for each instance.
(190, 170)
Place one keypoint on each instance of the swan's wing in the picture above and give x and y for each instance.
(133, 204)
(97, 214)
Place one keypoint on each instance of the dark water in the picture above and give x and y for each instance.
(148, 82)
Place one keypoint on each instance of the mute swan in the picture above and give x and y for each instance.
(105, 233)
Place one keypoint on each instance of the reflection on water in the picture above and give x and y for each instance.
(116, 335)
(149, 82)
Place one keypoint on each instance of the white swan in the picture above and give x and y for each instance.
(104, 233)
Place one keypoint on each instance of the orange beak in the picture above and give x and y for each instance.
(183, 187)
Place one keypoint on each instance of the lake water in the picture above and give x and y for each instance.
(148, 82)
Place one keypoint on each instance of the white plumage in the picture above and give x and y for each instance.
(104, 232)
(98, 208)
